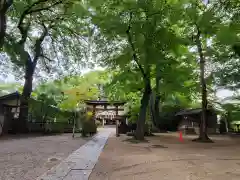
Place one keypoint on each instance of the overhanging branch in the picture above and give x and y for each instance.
(24, 14)
(4, 6)
(45, 57)
(54, 49)
(130, 41)
(29, 10)
(37, 46)
(45, 64)
(45, 8)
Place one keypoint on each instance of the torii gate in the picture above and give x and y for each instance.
(105, 115)
(92, 105)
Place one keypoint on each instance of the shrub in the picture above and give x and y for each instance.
(78, 130)
(88, 127)
(130, 134)
(98, 123)
(133, 114)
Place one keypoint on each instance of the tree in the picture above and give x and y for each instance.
(153, 43)
(205, 25)
(133, 35)
(226, 46)
(70, 92)
(197, 15)
(146, 39)
(40, 22)
(231, 10)
(4, 7)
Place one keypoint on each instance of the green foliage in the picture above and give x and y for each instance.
(42, 111)
(70, 92)
(133, 114)
(137, 40)
(7, 88)
(98, 123)
(88, 127)
(29, 16)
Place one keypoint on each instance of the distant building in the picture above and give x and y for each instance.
(191, 118)
(9, 110)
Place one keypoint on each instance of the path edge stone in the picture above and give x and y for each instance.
(66, 166)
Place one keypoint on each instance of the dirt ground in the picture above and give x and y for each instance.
(26, 158)
(165, 157)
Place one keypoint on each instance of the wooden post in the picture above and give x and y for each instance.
(105, 107)
(103, 122)
(117, 133)
(93, 112)
(74, 121)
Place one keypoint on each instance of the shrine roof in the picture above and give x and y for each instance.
(11, 96)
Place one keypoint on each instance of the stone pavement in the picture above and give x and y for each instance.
(79, 165)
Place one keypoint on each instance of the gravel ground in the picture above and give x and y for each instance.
(165, 157)
(26, 158)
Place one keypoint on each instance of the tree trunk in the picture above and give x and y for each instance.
(151, 107)
(29, 69)
(2, 27)
(139, 133)
(156, 108)
(4, 6)
(203, 129)
(27, 90)
(157, 97)
(155, 100)
(228, 119)
(203, 137)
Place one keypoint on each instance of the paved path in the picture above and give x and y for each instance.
(28, 156)
(79, 165)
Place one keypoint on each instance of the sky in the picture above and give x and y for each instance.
(223, 93)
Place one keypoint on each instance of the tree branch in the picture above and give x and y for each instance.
(44, 8)
(54, 49)
(29, 10)
(45, 64)
(45, 57)
(37, 47)
(5, 5)
(130, 41)
(199, 44)
(25, 13)
(76, 34)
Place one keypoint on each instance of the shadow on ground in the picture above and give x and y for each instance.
(135, 141)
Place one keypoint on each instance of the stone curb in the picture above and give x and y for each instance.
(79, 164)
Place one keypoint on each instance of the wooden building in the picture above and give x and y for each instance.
(190, 121)
(9, 111)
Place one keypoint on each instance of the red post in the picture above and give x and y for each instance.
(180, 136)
